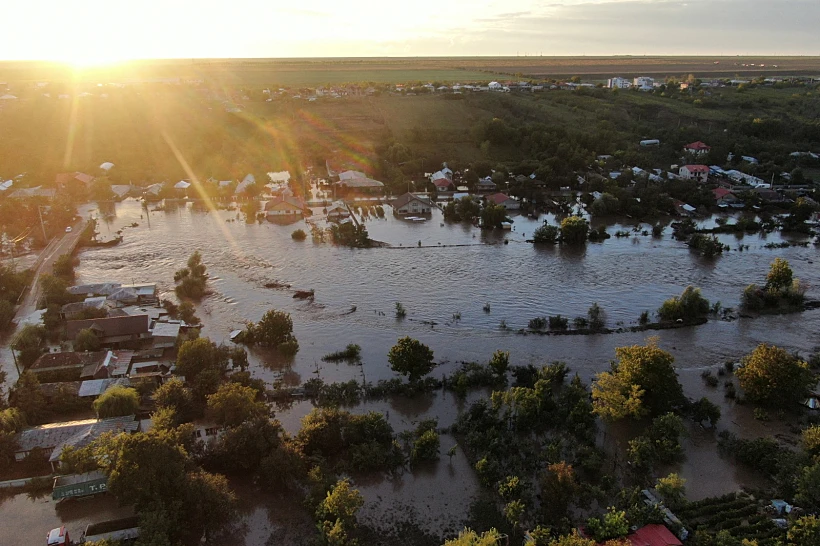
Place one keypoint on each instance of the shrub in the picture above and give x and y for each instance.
(558, 322)
(298, 235)
(351, 352)
(687, 307)
(545, 234)
(538, 323)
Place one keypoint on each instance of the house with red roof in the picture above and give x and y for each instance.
(654, 535)
(725, 198)
(697, 148)
(504, 200)
(694, 172)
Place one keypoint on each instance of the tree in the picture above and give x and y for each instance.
(210, 503)
(28, 398)
(175, 395)
(492, 215)
(643, 381)
(86, 341)
(574, 230)
(811, 439)
(705, 410)
(661, 443)
(687, 307)
(771, 376)
(28, 342)
(468, 537)
(573, 539)
(672, 488)
(804, 531)
(612, 525)
(234, 404)
(12, 421)
(116, 402)
(341, 503)
(6, 313)
(596, 317)
(545, 234)
(808, 488)
(198, 355)
(275, 328)
(412, 358)
(558, 484)
(780, 275)
(500, 362)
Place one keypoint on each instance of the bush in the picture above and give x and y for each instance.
(687, 307)
(116, 402)
(538, 323)
(545, 234)
(574, 230)
(558, 322)
(351, 352)
(298, 235)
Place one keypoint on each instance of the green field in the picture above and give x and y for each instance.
(315, 72)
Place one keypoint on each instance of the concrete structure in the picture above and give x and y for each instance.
(618, 83)
(694, 172)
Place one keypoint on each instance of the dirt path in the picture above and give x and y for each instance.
(45, 263)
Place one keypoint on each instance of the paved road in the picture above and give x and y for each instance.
(45, 263)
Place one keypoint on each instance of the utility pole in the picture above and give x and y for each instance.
(40, 213)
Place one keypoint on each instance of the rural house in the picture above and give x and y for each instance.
(411, 204)
(504, 200)
(694, 172)
(696, 148)
(284, 206)
(113, 330)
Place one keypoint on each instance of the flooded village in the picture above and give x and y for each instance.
(622, 355)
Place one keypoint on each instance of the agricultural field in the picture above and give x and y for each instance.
(738, 516)
(315, 72)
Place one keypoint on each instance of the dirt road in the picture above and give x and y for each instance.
(45, 263)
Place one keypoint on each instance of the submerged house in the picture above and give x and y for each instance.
(411, 204)
(285, 205)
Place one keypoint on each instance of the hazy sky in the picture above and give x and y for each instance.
(94, 30)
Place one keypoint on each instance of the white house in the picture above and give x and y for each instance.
(644, 83)
(285, 206)
(744, 178)
(495, 86)
(697, 148)
(694, 172)
(618, 83)
(411, 204)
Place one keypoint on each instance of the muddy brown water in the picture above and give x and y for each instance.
(434, 282)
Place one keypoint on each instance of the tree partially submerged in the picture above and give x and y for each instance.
(772, 376)
(690, 306)
(412, 358)
(641, 382)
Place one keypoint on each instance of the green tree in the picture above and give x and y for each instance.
(808, 488)
(64, 267)
(613, 524)
(342, 503)
(28, 398)
(198, 355)
(29, 342)
(780, 276)
(805, 531)
(639, 368)
(771, 376)
(705, 410)
(596, 317)
(6, 314)
(175, 395)
(672, 488)
(117, 401)
(492, 215)
(468, 537)
(234, 404)
(275, 328)
(545, 234)
(500, 362)
(12, 421)
(811, 439)
(559, 484)
(86, 341)
(210, 503)
(573, 539)
(412, 358)
(574, 230)
(687, 307)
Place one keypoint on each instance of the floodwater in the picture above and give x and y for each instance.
(438, 270)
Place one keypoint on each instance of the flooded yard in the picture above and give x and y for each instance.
(444, 284)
